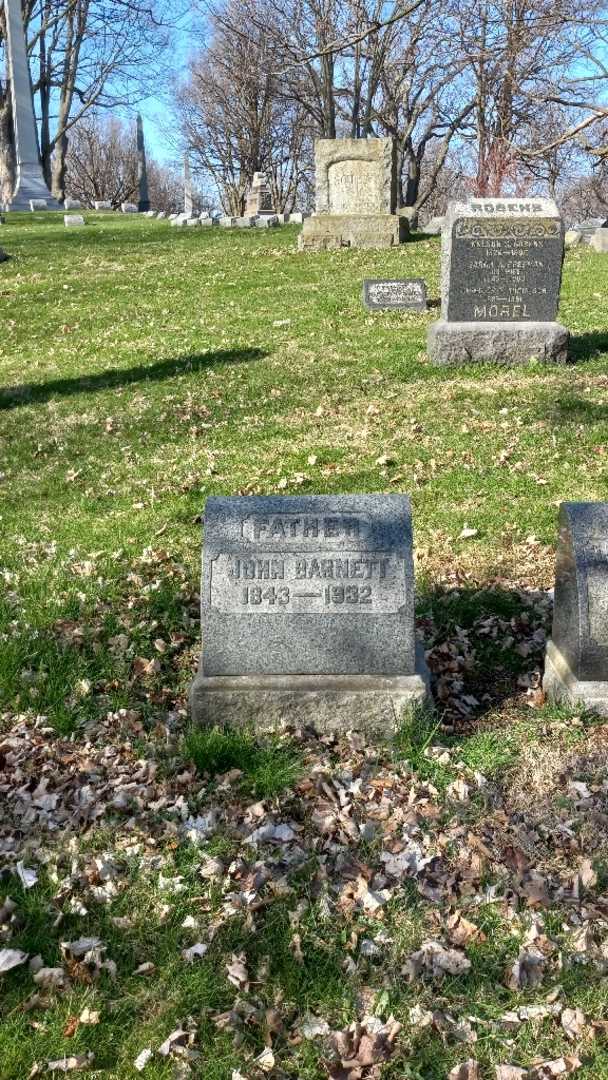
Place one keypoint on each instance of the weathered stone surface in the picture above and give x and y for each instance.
(247, 222)
(102, 205)
(501, 261)
(297, 217)
(599, 241)
(128, 208)
(576, 669)
(259, 198)
(227, 222)
(193, 223)
(502, 343)
(406, 294)
(572, 238)
(327, 232)
(501, 264)
(36, 204)
(330, 703)
(72, 204)
(30, 184)
(73, 219)
(299, 589)
(161, 215)
(208, 222)
(356, 194)
(266, 221)
(149, 213)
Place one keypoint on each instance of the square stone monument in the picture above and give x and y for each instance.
(259, 198)
(308, 613)
(576, 662)
(356, 196)
(501, 268)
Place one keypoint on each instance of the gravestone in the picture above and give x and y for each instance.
(406, 294)
(73, 219)
(161, 215)
(72, 204)
(36, 204)
(576, 662)
(259, 198)
(501, 267)
(434, 226)
(244, 222)
(102, 205)
(266, 221)
(599, 241)
(308, 612)
(207, 222)
(227, 222)
(128, 208)
(356, 196)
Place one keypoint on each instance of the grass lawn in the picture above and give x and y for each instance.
(306, 907)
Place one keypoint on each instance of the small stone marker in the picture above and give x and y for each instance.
(227, 222)
(161, 215)
(576, 662)
(355, 196)
(38, 204)
(73, 219)
(308, 612)
(102, 205)
(501, 267)
(599, 240)
(128, 208)
(72, 204)
(266, 221)
(406, 294)
(245, 222)
(434, 226)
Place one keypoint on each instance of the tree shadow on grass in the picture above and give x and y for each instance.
(584, 347)
(12, 397)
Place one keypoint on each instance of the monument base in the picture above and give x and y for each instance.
(561, 684)
(31, 185)
(326, 232)
(499, 342)
(370, 703)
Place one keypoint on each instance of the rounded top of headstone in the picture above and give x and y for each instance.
(503, 208)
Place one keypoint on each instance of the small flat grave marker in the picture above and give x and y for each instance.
(308, 612)
(405, 294)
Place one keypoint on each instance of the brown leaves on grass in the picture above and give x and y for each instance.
(363, 1048)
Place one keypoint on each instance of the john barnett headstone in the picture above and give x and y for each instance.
(576, 663)
(501, 267)
(356, 196)
(308, 612)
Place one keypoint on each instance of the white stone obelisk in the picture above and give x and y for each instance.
(30, 182)
(188, 204)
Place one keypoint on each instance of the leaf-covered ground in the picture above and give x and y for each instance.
(177, 903)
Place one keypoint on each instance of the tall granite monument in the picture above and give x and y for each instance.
(576, 661)
(356, 196)
(143, 202)
(29, 179)
(308, 612)
(501, 268)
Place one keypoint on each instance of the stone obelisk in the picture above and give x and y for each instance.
(30, 182)
(143, 202)
(188, 206)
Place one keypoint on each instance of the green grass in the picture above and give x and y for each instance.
(143, 368)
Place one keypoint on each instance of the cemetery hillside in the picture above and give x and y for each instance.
(344, 857)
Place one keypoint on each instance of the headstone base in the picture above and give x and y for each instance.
(497, 342)
(325, 232)
(561, 684)
(371, 703)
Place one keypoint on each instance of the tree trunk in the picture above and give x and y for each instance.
(7, 150)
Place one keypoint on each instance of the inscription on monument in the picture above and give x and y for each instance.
(302, 585)
(354, 187)
(407, 294)
(505, 260)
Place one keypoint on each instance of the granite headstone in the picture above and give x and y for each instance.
(73, 219)
(356, 196)
(404, 294)
(308, 612)
(501, 266)
(576, 662)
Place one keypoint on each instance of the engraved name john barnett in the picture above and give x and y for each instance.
(309, 584)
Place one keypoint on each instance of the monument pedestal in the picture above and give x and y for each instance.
(326, 232)
(370, 703)
(561, 684)
(31, 186)
(499, 342)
